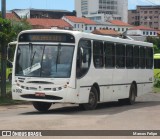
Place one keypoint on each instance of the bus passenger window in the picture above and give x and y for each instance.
(120, 55)
(83, 58)
(98, 54)
(129, 56)
(149, 58)
(142, 58)
(109, 54)
(136, 56)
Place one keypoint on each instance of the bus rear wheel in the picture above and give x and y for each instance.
(93, 99)
(42, 106)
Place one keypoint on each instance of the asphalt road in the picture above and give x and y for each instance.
(143, 115)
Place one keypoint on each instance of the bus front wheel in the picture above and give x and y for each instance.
(42, 106)
(132, 95)
(92, 102)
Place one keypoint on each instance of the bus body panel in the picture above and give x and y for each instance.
(113, 83)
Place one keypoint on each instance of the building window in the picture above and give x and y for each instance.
(156, 12)
(145, 12)
(90, 28)
(147, 33)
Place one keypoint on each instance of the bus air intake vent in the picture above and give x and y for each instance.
(40, 82)
(48, 97)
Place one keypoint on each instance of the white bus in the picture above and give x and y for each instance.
(60, 66)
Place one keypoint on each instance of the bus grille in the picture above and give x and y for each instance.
(48, 97)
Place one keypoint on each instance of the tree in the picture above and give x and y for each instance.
(6, 32)
(19, 26)
(156, 43)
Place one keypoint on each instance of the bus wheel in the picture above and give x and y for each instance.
(42, 106)
(132, 95)
(93, 99)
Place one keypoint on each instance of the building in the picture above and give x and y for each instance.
(41, 13)
(87, 25)
(80, 23)
(145, 16)
(49, 24)
(102, 10)
(120, 26)
(106, 32)
(12, 16)
(140, 33)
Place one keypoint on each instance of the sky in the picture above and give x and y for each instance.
(62, 4)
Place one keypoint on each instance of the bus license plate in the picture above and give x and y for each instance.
(40, 94)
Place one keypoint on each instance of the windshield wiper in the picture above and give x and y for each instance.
(58, 53)
(32, 59)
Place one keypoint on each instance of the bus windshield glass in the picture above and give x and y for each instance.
(49, 61)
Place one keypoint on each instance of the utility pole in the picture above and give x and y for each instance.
(3, 55)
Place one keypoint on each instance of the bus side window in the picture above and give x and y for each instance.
(149, 58)
(109, 49)
(83, 57)
(142, 58)
(129, 56)
(98, 54)
(120, 55)
(136, 56)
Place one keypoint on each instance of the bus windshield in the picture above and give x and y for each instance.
(49, 61)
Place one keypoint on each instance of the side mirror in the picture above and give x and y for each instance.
(10, 54)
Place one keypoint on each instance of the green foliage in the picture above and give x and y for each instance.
(6, 32)
(156, 42)
(9, 30)
(19, 26)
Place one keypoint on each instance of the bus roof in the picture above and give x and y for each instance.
(89, 36)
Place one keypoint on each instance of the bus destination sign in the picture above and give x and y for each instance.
(46, 37)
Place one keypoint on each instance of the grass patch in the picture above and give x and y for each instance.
(9, 101)
(156, 90)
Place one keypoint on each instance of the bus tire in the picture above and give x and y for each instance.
(93, 99)
(42, 106)
(132, 95)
